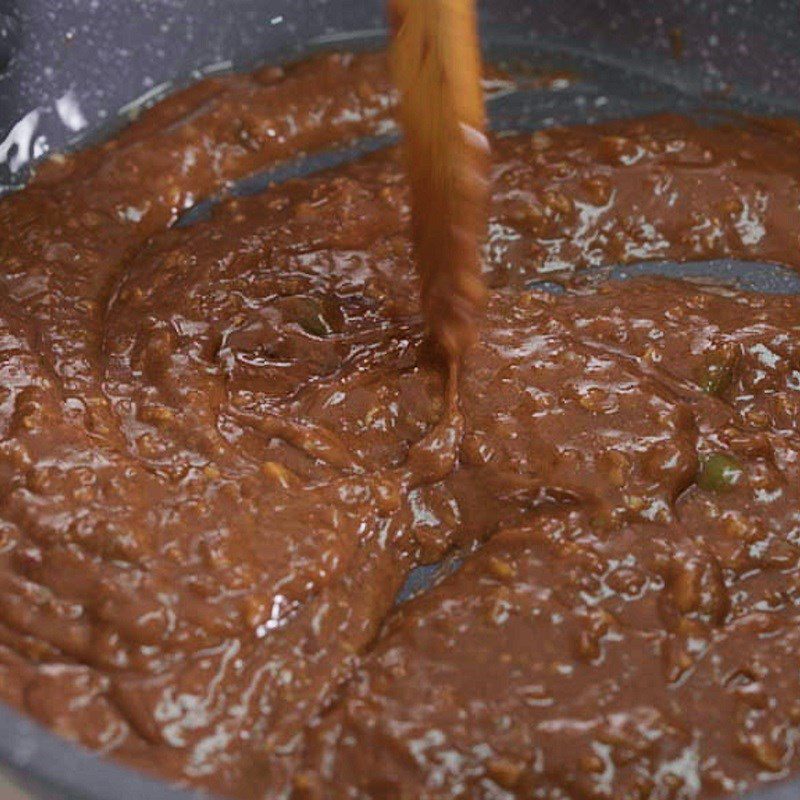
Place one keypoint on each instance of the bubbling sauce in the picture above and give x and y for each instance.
(223, 447)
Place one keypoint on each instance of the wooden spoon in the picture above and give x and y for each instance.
(436, 65)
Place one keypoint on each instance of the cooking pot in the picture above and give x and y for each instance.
(69, 67)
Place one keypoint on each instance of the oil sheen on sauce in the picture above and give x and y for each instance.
(223, 447)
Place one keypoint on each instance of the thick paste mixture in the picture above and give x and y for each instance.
(224, 446)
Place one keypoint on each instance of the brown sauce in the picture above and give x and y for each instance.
(223, 447)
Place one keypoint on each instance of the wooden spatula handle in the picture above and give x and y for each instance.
(437, 70)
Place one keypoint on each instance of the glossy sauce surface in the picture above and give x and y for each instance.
(223, 447)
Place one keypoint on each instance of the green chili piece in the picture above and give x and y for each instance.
(309, 314)
(718, 370)
(719, 473)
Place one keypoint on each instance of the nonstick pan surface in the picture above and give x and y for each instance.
(67, 68)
